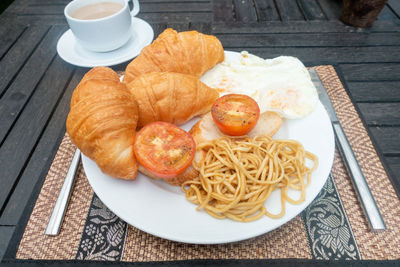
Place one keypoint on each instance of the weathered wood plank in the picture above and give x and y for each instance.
(42, 19)
(375, 91)
(311, 10)
(49, 9)
(266, 10)
(331, 8)
(371, 72)
(176, 17)
(22, 139)
(42, 157)
(15, 6)
(13, 61)
(327, 55)
(24, 84)
(381, 114)
(223, 10)
(158, 28)
(179, 26)
(175, 1)
(171, 7)
(289, 10)
(387, 139)
(5, 237)
(149, 17)
(65, 2)
(187, 26)
(245, 11)
(387, 14)
(201, 27)
(44, 3)
(302, 27)
(9, 33)
(310, 39)
(395, 6)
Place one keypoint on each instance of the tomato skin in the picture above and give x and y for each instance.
(235, 114)
(164, 149)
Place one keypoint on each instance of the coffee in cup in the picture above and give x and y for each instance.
(97, 11)
(101, 25)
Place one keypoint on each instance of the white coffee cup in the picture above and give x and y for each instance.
(103, 34)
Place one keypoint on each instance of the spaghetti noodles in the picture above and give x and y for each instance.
(238, 175)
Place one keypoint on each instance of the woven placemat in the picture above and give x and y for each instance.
(332, 227)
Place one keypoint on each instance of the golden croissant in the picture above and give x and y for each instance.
(102, 122)
(188, 52)
(170, 97)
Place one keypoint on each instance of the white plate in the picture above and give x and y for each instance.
(70, 51)
(162, 210)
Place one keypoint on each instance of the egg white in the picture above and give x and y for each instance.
(281, 84)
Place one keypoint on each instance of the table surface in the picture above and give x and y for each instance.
(36, 84)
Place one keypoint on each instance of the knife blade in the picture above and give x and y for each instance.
(359, 182)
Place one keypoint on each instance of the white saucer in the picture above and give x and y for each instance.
(70, 51)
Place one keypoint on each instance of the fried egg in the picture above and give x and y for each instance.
(281, 84)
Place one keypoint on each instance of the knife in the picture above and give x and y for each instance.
(368, 203)
(57, 216)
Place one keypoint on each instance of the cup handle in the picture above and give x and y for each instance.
(136, 8)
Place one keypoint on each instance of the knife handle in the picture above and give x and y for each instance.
(357, 177)
(57, 216)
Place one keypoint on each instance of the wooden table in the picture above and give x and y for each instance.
(36, 84)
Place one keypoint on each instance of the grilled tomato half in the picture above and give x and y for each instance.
(235, 114)
(164, 149)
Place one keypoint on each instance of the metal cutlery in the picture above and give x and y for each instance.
(360, 184)
(57, 216)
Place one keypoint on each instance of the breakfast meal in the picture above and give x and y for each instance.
(228, 164)
(186, 52)
(170, 97)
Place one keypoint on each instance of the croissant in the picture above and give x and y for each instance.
(102, 122)
(186, 52)
(170, 97)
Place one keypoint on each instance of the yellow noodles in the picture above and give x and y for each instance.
(238, 175)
